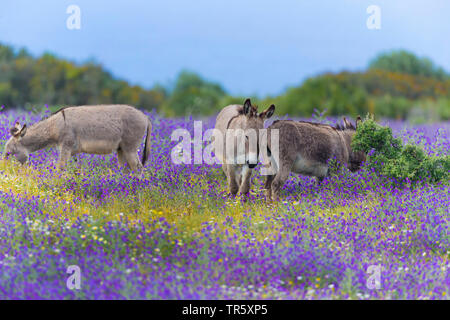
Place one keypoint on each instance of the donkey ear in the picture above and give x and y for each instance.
(247, 106)
(23, 130)
(347, 125)
(268, 112)
(15, 130)
(344, 119)
(358, 121)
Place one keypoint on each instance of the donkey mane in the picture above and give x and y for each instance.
(254, 110)
(338, 126)
(60, 110)
(56, 112)
(342, 128)
(67, 107)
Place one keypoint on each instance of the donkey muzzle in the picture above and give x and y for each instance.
(251, 165)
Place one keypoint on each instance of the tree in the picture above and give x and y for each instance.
(193, 95)
(405, 62)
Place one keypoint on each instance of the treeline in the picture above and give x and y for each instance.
(29, 82)
(396, 85)
(383, 93)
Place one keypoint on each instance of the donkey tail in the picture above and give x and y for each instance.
(147, 145)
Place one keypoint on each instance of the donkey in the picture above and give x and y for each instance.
(306, 147)
(100, 129)
(238, 126)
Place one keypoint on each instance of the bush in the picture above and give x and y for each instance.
(404, 164)
(372, 136)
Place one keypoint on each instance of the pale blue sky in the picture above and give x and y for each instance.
(250, 47)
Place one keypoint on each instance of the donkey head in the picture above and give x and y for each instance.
(356, 158)
(250, 121)
(14, 145)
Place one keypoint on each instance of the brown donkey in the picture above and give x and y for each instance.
(306, 147)
(239, 125)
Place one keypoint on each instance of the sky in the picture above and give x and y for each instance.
(250, 47)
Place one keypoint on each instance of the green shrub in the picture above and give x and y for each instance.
(391, 159)
(370, 135)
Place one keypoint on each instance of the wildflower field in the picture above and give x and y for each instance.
(175, 233)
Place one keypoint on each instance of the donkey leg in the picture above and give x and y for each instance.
(268, 187)
(319, 179)
(224, 168)
(278, 182)
(75, 159)
(233, 187)
(245, 181)
(133, 161)
(122, 161)
(139, 166)
(64, 156)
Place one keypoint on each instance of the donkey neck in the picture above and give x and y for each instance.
(235, 121)
(41, 135)
(347, 135)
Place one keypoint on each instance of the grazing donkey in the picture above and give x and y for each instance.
(234, 124)
(100, 129)
(306, 147)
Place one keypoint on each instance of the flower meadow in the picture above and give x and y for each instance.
(175, 233)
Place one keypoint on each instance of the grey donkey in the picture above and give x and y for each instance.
(239, 125)
(100, 129)
(306, 148)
